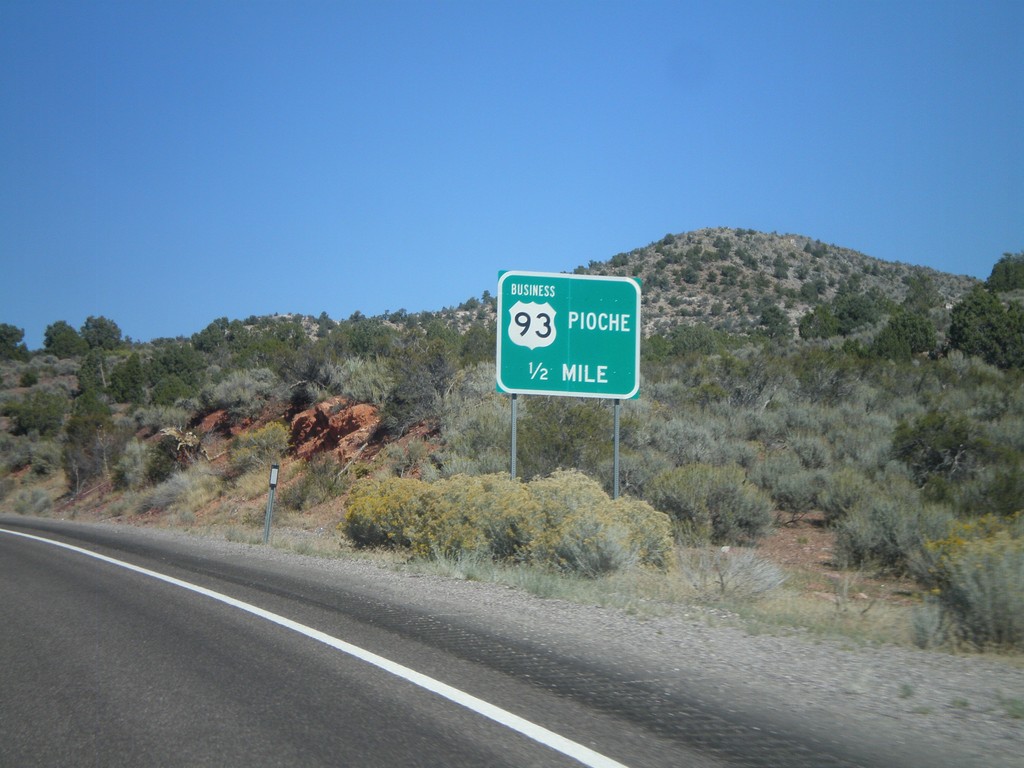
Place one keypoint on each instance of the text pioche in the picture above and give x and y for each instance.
(601, 321)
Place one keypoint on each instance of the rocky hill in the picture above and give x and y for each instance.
(726, 278)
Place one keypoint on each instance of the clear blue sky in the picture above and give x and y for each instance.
(167, 163)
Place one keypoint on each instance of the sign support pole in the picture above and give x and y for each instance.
(615, 461)
(270, 503)
(515, 403)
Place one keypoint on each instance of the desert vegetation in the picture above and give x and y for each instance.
(784, 380)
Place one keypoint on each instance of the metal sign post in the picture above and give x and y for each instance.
(270, 503)
(615, 461)
(515, 402)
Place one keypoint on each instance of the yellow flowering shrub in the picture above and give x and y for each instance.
(489, 514)
(650, 531)
(977, 575)
(386, 512)
(586, 532)
(565, 521)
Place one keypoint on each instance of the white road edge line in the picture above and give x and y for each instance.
(503, 717)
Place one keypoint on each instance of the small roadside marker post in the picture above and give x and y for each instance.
(270, 503)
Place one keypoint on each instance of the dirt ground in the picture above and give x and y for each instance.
(805, 548)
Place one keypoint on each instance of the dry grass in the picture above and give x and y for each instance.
(865, 622)
(814, 599)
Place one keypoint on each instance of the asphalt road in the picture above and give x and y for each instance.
(103, 665)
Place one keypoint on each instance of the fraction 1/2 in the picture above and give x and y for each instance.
(538, 371)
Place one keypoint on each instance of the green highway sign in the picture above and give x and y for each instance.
(573, 335)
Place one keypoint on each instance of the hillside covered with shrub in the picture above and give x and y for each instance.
(783, 380)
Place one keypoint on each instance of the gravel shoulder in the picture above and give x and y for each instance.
(964, 710)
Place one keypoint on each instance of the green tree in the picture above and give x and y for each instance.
(267, 351)
(274, 344)
(422, 373)
(1008, 273)
(366, 337)
(40, 411)
(811, 290)
(92, 373)
(11, 346)
(478, 344)
(101, 333)
(655, 349)
(93, 445)
(904, 335)
(324, 324)
(221, 337)
(62, 340)
(981, 326)
(1015, 338)
(127, 381)
(180, 362)
(161, 460)
(921, 293)
(169, 389)
(819, 323)
(854, 310)
(775, 322)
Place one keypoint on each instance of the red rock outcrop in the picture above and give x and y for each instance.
(336, 425)
(215, 421)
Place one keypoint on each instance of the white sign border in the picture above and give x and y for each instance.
(632, 281)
